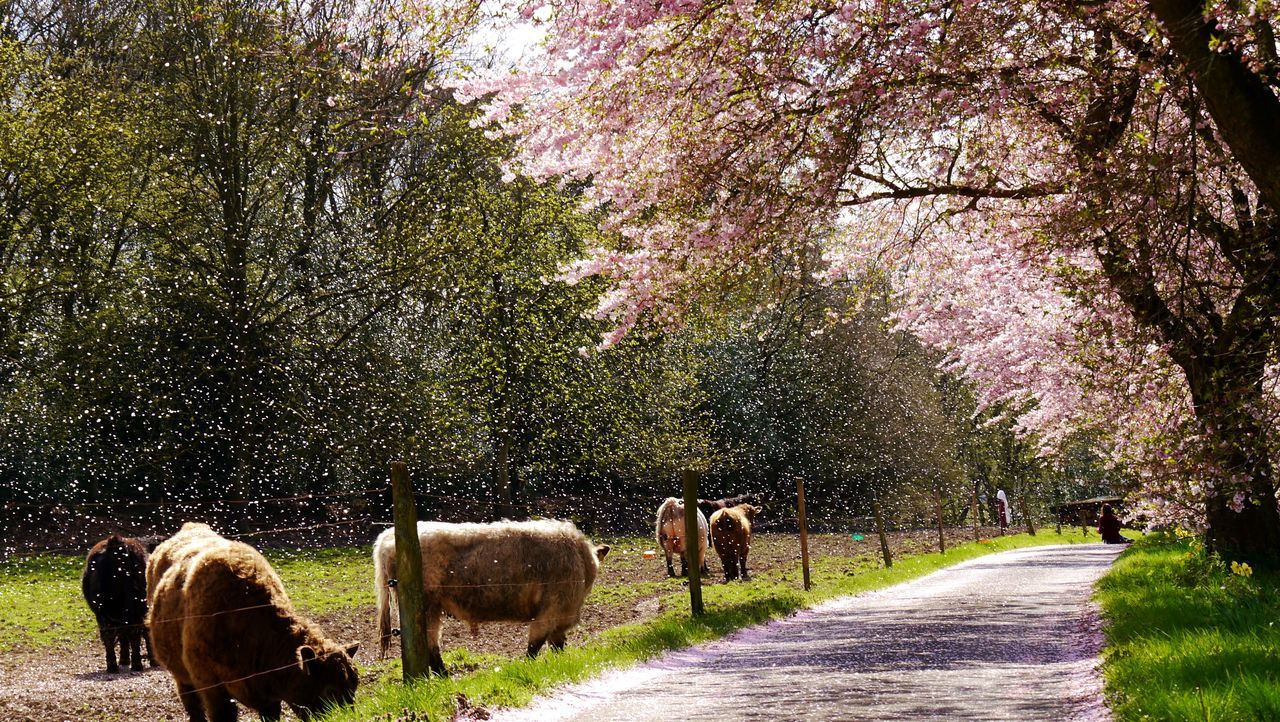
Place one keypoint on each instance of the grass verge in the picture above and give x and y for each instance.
(505, 682)
(1188, 638)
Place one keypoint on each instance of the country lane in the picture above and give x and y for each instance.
(1010, 636)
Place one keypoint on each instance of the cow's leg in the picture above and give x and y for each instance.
(730, 569)
(540, 630)
(671, 571)
(702, 562)
(146, 638)
(684, 566)
(109, 634)
(219, 704)
(135, 645)
(557, 638)
(270, 712)
(435, 624)
(191, 703)
(125, 637)
(746, 576)
(131, 647)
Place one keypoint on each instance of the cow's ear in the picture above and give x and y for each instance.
(352, 649)
(305, 654)
(602, 551)
(752, 511)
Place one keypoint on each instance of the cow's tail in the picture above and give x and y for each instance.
(384, 570)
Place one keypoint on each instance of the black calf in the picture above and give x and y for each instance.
(115, 586)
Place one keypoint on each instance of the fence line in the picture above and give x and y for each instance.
(191, 502)
(303, 497)
(326, 525)
(261, 532)
(553, 505)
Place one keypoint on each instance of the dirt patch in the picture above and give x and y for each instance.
(69, 682)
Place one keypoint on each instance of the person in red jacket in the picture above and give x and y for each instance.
(1109, 527)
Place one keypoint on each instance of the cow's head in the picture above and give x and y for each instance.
(327, 679)
(602, 550)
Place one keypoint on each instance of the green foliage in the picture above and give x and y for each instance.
(1188, 638)
(250, 250)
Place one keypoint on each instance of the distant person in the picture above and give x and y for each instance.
(1002, 510)
(1109, 527)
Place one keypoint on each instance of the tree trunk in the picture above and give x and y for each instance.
(1253, 533)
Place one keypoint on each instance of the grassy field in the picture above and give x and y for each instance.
(43, 606)
(1188, 638)
(504, 681)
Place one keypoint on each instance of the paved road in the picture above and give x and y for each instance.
(1009, 636)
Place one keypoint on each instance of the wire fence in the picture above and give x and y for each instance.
(331, 519)
(349, 517)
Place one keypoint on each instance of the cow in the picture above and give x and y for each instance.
(709, 507)
(532, 571)
(114, 584)
(223, 626)
(731, 537)
(669, 530)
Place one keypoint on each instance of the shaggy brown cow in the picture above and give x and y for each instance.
(731, 537)
(534, 571)
(669, 530)
(223, 626)
(115, 586)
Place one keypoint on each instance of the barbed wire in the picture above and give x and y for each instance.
(325, 525)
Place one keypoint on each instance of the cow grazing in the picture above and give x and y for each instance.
(114, 583)
(709, 507)
(533, 571)
(669, 531)
(731, 537)
(223, 626)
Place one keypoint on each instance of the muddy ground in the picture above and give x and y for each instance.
(69, 682)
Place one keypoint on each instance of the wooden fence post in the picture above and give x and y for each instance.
(408, 582)
(942, 536)
(804, 533)
(1026, 509)
(884, 539)
(975, 512)
(692, 544)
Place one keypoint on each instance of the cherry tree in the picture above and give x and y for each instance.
(1078, 198)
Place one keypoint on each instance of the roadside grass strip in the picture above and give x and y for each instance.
(1188, 637)
(504, 682)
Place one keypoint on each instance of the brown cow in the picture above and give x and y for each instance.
(533, 571)
(114, 583)
(223, 626)
(731, 537)
(669, 530)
